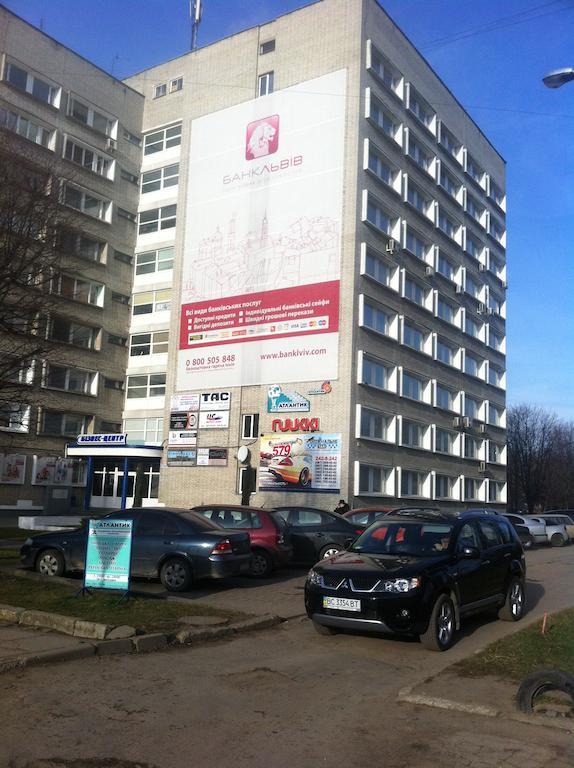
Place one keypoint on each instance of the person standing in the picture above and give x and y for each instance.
(342, 507)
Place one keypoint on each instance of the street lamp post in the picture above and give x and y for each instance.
(558, 77)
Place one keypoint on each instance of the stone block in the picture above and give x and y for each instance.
(147, 643)
(108, 647)
(10, 613)
(47, 620)
(121, 632)
(90, 629)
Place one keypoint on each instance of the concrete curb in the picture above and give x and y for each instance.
(47, 657)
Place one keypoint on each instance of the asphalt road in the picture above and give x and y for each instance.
(281, 698)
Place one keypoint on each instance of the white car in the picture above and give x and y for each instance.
(559, 529)
(535, 525)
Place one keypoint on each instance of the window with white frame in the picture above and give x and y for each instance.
(474, 170)
(496, 267)
(445, 311)
(374, 425)
(415, 244)
(471, 407)
(474, 208)
(445, 352)
(88, 158)
(419, 107)
(412, 483)
(88, 115)
(473, 246)
(495, 375)
(159, 90)
(145, 431)
(168, 176)
(495, 491)
(131, 137)
(87, 202)
(419, 200)
(444, 398)
(249, 426)
(472, 365)
(472, 327)
(383, 119)
(176, 84)
(165, 138)
(375, 373)
(378, 217)
(77, 380)
(413, 337)
(495, 414)
(373, 480)
(64, 424)
(267, 47)
(27, 82)
(150, 302)
(414, 291)
(496, 193)
(14, 417)
(449, 183)
(77, 289)
(376, 319)
(445, 266)
(471, 447)
(444, 441)
(157, 219)
(444, 486)
(158, 260)
(495, 452)
(68, 332)
(376, 268)
(494, 303)
(265, 84)
(447, 225)
(381, 167)
(412, 434)
(495, 340)
(153, 343)
(81, 245)
(413, 386)
(419, 154)
(145, 385)
(385, 71)
(471, 286)
(471, 489)
(449, 141)
(27, 128)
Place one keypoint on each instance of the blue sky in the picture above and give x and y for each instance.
(492, 55)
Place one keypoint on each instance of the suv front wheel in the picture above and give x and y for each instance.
(440, 633)
(513, 608)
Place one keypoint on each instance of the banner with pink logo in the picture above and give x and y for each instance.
(261, 265)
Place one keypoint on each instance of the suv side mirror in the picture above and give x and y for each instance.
(348, 543)
(468, 553)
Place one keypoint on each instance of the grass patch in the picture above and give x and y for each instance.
(149, 614)
(515, 657)
(9, 556)
(14, 533)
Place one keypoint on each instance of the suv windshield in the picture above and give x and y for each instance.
(413, 538)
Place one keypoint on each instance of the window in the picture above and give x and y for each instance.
(65, 424)
(444, 486)
(159, 90)
(28, 129)
(164, 139)
(155, 343)
(377, 269)
(495, 491)
(471, 287)
(265, 84)
(473, 247)
(160, 179)
(157, 219)
(445, 352)
(80, 245)
(420, 109)
(121, 298)
(148, 302)
(414, 292)
(495, 375)
(118, 341)
(447, 225)
(471, 489)
(375, 374)
(114, 384)
(110, 427)
(384, 71)
(445, 266)
(383, 119)
(474, 170)
(471, 407)
(374, 425)
(373, 481)
(471, 447)
(88, 158)
(412, 337)
(415, 245)
(496, 267)
(449, 142)
(127, 176)
(61, 329)
(74, 288)
(490, 533)
(378, 217)
(91, 117)
(125, 257)
(249, 426)
(267, 47)
(412, 483)
(75, 380)
(496, 193)
(123, 214)
(418, 199)
(421, 157)
(154, 261)
(495, 340)
(413, 387)
(131, 137)
(474, 208)
(176, 84)
(148, 430)
(495, 452)
(33, 85)
(495, 415)
(444, 398)
(496, 230)
(494, 303)
(376, 319)
(449, 183)
(14, 417)
(444, 441)
(471, 365)
(381, 167)
(471, 327)
(412, 434)
(87, 202)
(145, 385)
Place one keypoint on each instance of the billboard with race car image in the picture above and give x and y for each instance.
(300, 462)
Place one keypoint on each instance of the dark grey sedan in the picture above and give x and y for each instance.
(178, 546)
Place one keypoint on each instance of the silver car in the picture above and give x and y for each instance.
(535, 525)
(558, 529)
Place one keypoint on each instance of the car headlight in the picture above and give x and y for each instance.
(398, 585)
(314, 578)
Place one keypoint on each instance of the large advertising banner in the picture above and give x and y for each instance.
(108, 554)
(260, 282)
(309, 463)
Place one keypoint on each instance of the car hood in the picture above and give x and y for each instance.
(392, 566)
(55, 537)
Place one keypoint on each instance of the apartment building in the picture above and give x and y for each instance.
(317, 302)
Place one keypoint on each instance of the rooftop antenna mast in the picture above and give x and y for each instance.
(195, 10)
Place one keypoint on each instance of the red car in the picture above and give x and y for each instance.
(268, 545)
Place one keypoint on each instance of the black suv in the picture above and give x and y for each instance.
(418, 572)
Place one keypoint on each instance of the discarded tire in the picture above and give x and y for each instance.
(542, 682)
